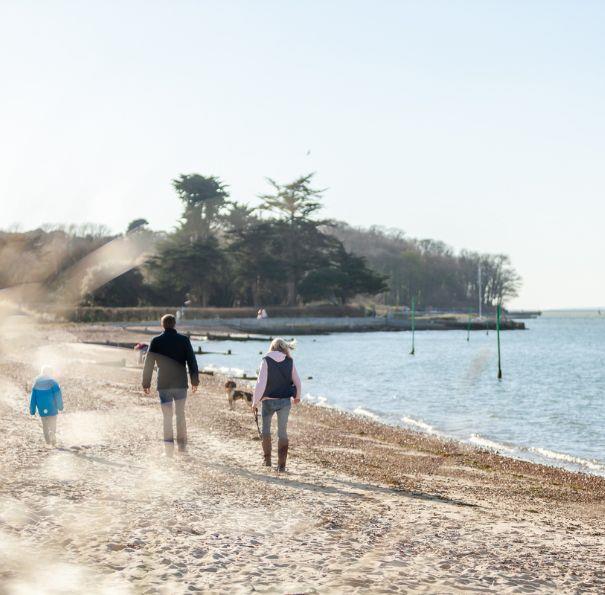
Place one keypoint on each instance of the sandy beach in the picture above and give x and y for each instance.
(364, 508)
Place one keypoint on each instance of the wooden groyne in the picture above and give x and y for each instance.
(120, 344)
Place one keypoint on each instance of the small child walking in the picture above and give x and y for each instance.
(46, 398)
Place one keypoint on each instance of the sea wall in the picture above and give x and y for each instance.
(145, 314)
(315, 325)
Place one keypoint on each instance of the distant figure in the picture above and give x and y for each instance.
(46, 398)
(278, 386)
(141, 349)
(173, 353)
(262, 314)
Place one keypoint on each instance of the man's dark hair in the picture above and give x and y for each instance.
(168, 321)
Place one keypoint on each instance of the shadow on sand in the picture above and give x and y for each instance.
(324, 489)
(76, 451)
(297, 484)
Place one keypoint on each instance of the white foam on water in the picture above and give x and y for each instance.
(419, 424)
(367, 413)
(224, 370)
(560, 456)
(318, 400)
(478, 440)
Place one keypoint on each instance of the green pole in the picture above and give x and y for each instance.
(468, 326)
(498, 335)
(413, 352)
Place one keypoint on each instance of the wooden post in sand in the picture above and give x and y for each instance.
(413, 352)
(498, 335)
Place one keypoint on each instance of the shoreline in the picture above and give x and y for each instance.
(319, 326)
(364, 507)
(419, 437)
(555, 459)
(483, 443)
(568, 462)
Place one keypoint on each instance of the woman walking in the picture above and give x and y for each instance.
(278, 386)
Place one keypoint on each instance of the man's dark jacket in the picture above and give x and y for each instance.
(171, 351)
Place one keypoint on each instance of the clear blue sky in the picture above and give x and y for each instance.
(478, 123)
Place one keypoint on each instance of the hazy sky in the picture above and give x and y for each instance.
(478, 123)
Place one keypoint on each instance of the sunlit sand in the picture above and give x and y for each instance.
(367, 508)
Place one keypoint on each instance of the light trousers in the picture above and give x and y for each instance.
(280, 407)
(174, 407)
(49, 427)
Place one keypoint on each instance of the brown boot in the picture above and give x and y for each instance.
(282, 454)
(267, 450)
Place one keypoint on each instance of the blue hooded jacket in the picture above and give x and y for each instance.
(46, 397)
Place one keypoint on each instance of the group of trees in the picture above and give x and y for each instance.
(431, 271)
(42, 255)
(225, 253)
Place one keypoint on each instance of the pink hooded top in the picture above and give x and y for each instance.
(261, 383)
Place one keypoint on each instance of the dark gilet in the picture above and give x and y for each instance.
(279, 379)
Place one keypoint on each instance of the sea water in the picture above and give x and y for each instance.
(548, 407)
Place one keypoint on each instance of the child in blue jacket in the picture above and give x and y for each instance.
(46, 398)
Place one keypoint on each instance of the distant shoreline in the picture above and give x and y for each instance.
(318, 326)
(575, 313)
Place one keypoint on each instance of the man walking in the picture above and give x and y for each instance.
(173, 353)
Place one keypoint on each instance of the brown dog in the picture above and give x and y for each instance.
(235, 395)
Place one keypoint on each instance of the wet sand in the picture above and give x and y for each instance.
(364, 507)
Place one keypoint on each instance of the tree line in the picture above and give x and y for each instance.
(227, 253)
(431, 271)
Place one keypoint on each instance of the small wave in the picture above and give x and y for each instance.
(224, 370)
(318, 400)
(366, 413)
(560, 456)
(418, 423)
(487, 443)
